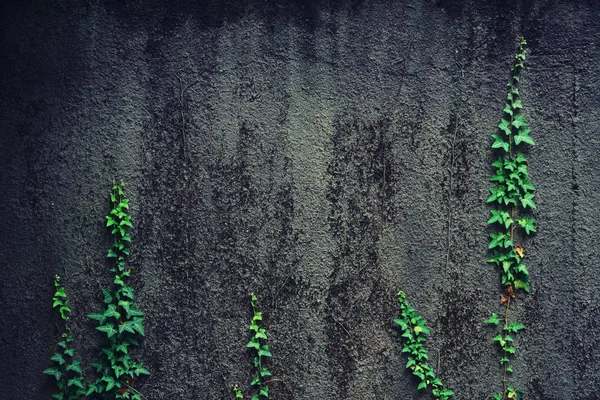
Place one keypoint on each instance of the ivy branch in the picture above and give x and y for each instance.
(414, 329)
(513, 195)
(257, 342)
(121, 320)
(65, 369)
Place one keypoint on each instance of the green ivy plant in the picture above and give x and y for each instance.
(414, 330)
(513, 195)
(65, 368)
(258, 344)
(120, 320)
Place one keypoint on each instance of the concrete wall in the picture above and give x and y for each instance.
(314, 168)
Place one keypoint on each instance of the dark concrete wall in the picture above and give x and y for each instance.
(313, 168)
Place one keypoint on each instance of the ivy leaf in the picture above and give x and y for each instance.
(493, 319)
(109, 329)
(496, 195)
(421, 329)
(520, 158)
(58, 358)
(264, 351)
(517, 104)
(253, 344)
(527, 224)
(504, 126)
(496, 217)
(514, 327)
(54, 372)
(527, 201)
(523, 136)
(508, 109)
(519, 121)
(498, 163)
(138, 326)
(76, 382)
(499, 142)
(497, 240)
(522, 285)
(141, 371)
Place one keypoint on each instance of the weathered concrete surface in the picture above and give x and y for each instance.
(300, 150)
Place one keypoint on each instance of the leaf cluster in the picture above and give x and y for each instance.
(414, 330)
(258, 344)
(505, 340)
(514, 192)
(120, 319)
(65, 369)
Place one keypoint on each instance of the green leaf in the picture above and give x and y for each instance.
(421, 329)
(111, 311)
(122, 347)
(517, 104)
(76, 382)
(253, 344)
(508, 109)
(527, 224)
(514, 327)
(496, 195)
(497, 240)
(520, 158)
(496, 217)
(519, 121)
(137, 324)
(523, 136)
(109, 329)
(499, 143)
(264, 351)
(54, 372)
(522, 285)
(58, 358)
(493, 319)
(261, 334)
(141, 371)
(422, 385)
(100, 317)
(264, 391)
(527, 201)
(504, 126)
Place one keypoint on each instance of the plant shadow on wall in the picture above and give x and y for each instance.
(513, 195)
(120, 320)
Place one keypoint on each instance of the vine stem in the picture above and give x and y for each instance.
(506, 363)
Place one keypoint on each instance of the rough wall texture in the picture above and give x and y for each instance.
(300, 150)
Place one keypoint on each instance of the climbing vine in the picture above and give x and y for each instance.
(257, 343)
(120, 319)
(414, 329)
(65, 368)
(513, 196)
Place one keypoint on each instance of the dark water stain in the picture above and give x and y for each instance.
(360, 192)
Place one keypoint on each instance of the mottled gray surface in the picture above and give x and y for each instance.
(301, 150)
